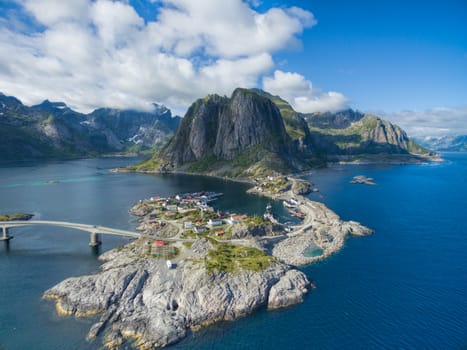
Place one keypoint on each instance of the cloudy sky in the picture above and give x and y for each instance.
(406, 60)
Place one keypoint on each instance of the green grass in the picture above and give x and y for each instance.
(278, 185)
(187, 244)
(255, 221)
(203, 165)
(290, 117)
(228, 258)
(164, 252)
(150, 164)
(15, 216)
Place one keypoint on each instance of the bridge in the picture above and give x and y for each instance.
(93, 230)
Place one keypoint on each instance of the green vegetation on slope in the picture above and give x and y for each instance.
(229, 258)
(292, 122)
(369, 135)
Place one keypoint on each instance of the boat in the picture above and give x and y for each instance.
(169, 264)
(294, 201)
(288, 204)
(297, 213)
(268, 207)
(270, 217)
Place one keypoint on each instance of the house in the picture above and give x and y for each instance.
(236, 218)
(169, 264)
(172, 208)
(199, 229)
(214, 223)
(160, 243)
(187, 225)
(220, 233)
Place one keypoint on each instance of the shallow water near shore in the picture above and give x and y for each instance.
(312, 251)
(404, 287)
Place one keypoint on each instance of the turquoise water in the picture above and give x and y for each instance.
(405, 287)
(313, 251)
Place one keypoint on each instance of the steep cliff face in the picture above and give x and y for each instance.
(220, 135)
(195, 138)
(295, 125)
(249, 120)
(254, 132)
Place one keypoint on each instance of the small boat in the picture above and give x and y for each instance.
(268, 207)
(270, 217)
(294, 201)
(169, 264)
(288, 204)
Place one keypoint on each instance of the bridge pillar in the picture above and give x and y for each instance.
(5, 236)
(94, 241)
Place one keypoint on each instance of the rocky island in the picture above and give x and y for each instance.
(224, 271)
(362, 180)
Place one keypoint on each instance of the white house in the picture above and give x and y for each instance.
(172, 208)
(236, 218)
(214, 223)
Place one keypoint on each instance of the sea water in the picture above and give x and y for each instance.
(402, 288)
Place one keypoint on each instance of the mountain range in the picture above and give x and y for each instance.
(456, 143)
(254, 133)
(51, 130)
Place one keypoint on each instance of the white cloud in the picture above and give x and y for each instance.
(117, 23)
(301, 94)
(50, 12)
(431, 122)
(227, 28)
(93, 53)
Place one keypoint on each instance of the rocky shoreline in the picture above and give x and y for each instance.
(139, 298)
(142, 300)
(321, 227)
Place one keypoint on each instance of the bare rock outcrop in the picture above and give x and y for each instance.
(142, 299)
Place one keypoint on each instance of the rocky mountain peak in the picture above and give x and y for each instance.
(48, 106)
(223, 128)
(249, 120)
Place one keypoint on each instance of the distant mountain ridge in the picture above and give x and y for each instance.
(456, 143)
(353, 134)
(53, 130)
(254, 133)
(348, 134)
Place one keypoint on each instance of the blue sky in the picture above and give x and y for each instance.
(405, 60)
(388, 55)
